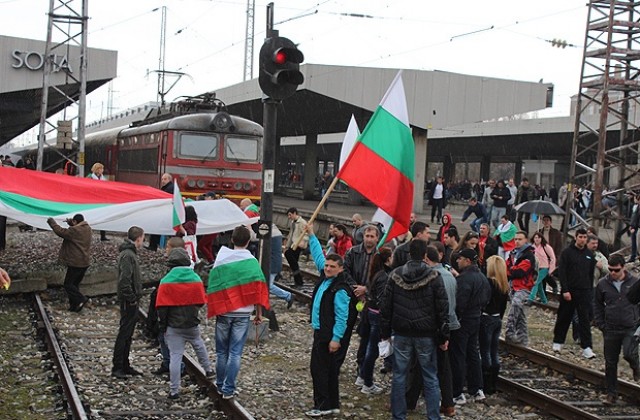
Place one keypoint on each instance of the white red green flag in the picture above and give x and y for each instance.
(178, 207)
(381, 165)
(235, 281)
(31, 197)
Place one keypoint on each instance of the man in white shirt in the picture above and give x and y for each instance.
(437, 199)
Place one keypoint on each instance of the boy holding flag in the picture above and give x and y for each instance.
(236, 286)
(180, 296)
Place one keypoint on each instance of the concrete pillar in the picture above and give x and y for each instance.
(517, 177)
(485, 168)
(448, 170)
(420, 141)
(310, 166)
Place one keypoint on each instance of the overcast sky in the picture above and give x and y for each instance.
(206, 39)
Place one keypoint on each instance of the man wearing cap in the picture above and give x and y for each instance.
(521, 269)
(75, 253)
(472, 295)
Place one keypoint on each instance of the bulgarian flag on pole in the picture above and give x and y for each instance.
(181, 287)
(235, 281)
(178, 207)
(381, 165)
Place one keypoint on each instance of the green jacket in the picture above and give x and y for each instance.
(129, 277)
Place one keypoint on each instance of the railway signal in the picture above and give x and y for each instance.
(280, 67)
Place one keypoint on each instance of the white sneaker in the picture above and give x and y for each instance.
(588, 353)
(359, 381)
(557, 347)
(460, 400)
(372, 390)
(479, 396)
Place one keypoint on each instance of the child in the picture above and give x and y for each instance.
(180, 295)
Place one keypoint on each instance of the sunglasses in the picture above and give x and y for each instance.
(615, 270)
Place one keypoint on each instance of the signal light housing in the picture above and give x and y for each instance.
(280, 68)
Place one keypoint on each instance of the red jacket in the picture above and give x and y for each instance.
(522, 271)
(343, 244)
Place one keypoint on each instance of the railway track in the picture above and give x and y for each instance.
(81, 348)
(552, 385)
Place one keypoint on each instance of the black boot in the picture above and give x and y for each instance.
(487, 381)
(495, 372)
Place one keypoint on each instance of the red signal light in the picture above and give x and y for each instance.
(280, 57)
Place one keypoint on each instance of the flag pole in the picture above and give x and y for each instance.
(325, 197)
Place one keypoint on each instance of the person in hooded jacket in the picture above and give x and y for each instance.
(521, 269)
(472, 294)
(178, 312)
(415, 307)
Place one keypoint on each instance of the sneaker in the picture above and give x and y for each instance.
(319, 413)
(290, 302)
(610, 400)
(335, 411)
(173, 396)
(119, 374)
(588, 353)
(81, 305)
(636, 374)
(460, 400)
(479, 396)
(557, 347)
(371, 390)
(131, 371)
(210, 374)
(227, 396)
(359, 381)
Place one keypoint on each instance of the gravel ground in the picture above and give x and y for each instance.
(274, 381)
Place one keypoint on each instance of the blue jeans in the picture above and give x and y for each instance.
(475, 225)
(231, 333)
(276, 291)
(372, 353)
(425, 350)
(489, 338)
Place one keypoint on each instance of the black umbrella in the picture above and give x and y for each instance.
(539, 207)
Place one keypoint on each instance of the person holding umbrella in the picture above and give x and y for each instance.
(525, 193)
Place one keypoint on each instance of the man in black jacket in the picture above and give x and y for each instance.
(419, 231)
(500, 196)
(416, 309)
(472, 294)
(616, 314)
(575, 272)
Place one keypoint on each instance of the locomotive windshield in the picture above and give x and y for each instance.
(199, 146)
(241, 149)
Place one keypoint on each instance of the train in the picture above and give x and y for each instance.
(194, 139)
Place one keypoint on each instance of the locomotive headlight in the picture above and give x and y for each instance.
(248, 186)
(222, 121)
(191, 183)
(201, 183)
(237, 186)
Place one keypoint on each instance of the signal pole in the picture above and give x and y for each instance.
(279, 78)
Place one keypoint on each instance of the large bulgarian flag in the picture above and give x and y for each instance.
(235, 281)
(381, 165)
(32, 197)
(181, 287)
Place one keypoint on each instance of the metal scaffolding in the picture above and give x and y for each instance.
(67, 27)
(609, 87)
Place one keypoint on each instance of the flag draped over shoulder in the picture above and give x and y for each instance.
(236, 280)
(31, 197)
(181, 287)
(381, 165)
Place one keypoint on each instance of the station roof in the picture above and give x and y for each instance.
(21, 62)
(436, 99)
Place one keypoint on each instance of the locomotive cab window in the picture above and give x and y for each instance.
(241, 149)
(198, 146)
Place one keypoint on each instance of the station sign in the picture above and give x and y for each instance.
(34, 60)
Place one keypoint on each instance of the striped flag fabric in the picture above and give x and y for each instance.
(32, 196)
(181, 287)
(381, 166)
(178, 214)
(235, 281)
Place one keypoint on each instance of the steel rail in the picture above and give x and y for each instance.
(629, 390)
(74, 403)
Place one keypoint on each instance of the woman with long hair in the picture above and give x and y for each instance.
(546, 264)
(491, 321)
(343, 241)
(469, 240)
(445, 226)
(378, 276)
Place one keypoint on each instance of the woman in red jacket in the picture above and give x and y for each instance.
(342, 242)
